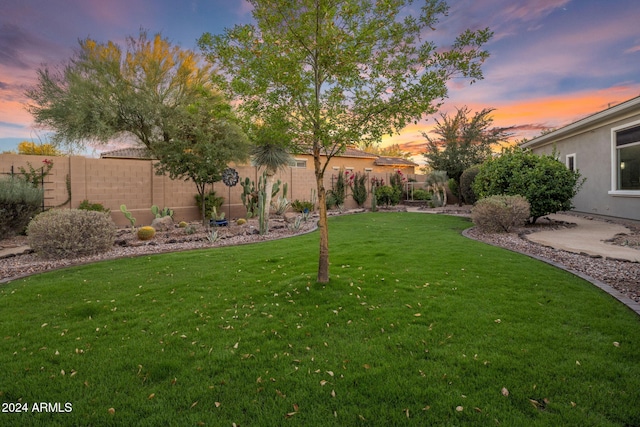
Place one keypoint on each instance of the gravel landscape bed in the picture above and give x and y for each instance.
(620, 275)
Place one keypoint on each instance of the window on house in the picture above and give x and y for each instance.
(571, 162)
(368, 170)
(299, 163)
(627, 146)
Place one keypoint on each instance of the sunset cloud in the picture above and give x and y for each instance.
(552, 61)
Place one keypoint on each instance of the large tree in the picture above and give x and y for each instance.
(341, 72)
(462, 141)
(159, 94)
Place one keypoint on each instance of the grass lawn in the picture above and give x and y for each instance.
(418, 326)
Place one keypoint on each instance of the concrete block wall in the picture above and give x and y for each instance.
(134, 183)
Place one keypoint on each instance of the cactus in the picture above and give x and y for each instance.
(249, 196)
(155, 210)
(146, 233)
(182, 224)
(241, 221)
(128, 215)
(213, 237)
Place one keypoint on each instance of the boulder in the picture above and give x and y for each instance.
(162, 224)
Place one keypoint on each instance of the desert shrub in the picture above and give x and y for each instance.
(543, 180)
(19, 202)
(421, 194)
(500, 213)
(68, 233)
(466, 185)
(388, 195)
(146, 233)
(88, 206)
(301, 205)
(359, 188)
(210, 201)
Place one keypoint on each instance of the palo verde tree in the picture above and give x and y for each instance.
(462, 141)
(158, 93)
(341, 72)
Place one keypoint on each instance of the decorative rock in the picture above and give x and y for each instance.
(290, 217)
(163, 224)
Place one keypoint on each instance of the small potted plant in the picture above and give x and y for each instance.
(217, 219)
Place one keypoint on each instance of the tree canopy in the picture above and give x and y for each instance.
(340, 72)
(158, 93)
(462, 141)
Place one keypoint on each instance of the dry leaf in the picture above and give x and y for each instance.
(323, 382)
(290, 414)
(616, 344)
(504, 391)
(333, 393)
(296, 407)
(194, 404)
(477, 409)
(417, 315)
(367, 366)
(111, 411)
(217, 404)
(151, 396)
(406, 411)
(236, 345)
(573, 404)
(330, 373)
(459, 408)
(497, 320)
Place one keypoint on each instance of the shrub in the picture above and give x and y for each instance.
(146, 233)
(210, 201)
(66, 233)
(500, 213)
(19, 202)
(421, 194)
(88, 206)
(543, 180)
(388, 195)
(466, 183)
(359, 188)
(301, 205)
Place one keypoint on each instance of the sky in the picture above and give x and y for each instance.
(551, 62)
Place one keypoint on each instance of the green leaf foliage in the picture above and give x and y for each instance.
(340, 72)
(543, 180)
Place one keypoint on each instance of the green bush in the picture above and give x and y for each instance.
(543, 180)
(496, 214)
(301, 205)
(88, 206)
(387, 195)
(19, 202)
(69, 233)
(466, 183)
(421, 194)
(359, 188)
(210, 201)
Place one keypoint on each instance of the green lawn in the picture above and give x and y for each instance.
(418, 326)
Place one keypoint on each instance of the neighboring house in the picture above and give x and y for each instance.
(352, 159)
(605, 149)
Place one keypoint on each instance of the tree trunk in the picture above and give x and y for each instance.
(323, 262)
(268, 188)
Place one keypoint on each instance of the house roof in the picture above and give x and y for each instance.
(617, 112)
(393, 161)
(142, 153)
(138, 153)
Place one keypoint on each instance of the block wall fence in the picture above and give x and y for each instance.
(134, 183)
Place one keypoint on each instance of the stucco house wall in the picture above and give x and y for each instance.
(589, 145)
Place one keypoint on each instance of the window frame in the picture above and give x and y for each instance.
(615, 164)
(295, 164)
(571, 158)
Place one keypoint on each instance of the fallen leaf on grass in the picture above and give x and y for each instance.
(323, 382)
(459, 408)
(616, 344)
(193, 404)
(217, 404)
(111, 411)
(504, 391)
(151, 396)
